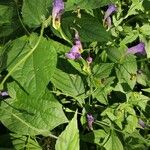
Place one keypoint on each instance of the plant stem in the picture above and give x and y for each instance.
(28, 33)
(64, 36)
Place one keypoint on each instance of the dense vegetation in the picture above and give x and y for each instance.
(74, 74)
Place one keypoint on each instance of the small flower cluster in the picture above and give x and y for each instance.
(75, 52)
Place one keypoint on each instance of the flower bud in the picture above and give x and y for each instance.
(89, 60)
(90, 120)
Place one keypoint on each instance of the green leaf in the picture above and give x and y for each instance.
(145, 29)
(147, 48)
(109, 112)
(137, 99)
(103, 88)
(130, 38)
(34, 12)
(112, 142)
(30, 115)
(136, 141)
(102, 70)
(8, 18)
(132, 122)
(90, 4)
(142, 78)
(135, 7)
(21, 142)
(94, 137)
(127, 70)
(60, 48)
(69, 138)
(89, 28)
(146, 90)
(69, 84)
(116, 54)
(77, 65)
(146, 5)
(36, 71)
(122, 116)
(6, 13)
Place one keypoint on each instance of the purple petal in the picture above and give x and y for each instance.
(90, 120)
(73, 55)
(139, 48)
(77, 41)
(77, 55)
(74, 49)
(4, 94)
(70, 56)
(75, 52)
(89, 60)
(141, 123)
(109, 11)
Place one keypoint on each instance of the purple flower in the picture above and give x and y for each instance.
(4, 94)
(90, 120)
(77, 41)
(141, 123)
(70, 55)
(139, 48)
(89, 60)
(109, 11)
(58, 8)
(75, 52)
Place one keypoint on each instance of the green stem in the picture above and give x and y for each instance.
(26, 57)
(21, 19)
(105, 124)
(91, 90)
(144, 59)
(64, 36)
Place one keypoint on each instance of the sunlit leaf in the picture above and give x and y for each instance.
(69, 138)
(112, 142)
(29, 74)
(90, 4)
(29, 115)
(34, 12)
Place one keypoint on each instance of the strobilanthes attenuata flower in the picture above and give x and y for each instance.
(58, 9)
(90, 120)
(107, 19)
(75, 52)
(139, 48)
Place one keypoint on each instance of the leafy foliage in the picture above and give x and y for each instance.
(76, 77)
(67, 140)
(113, 142)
